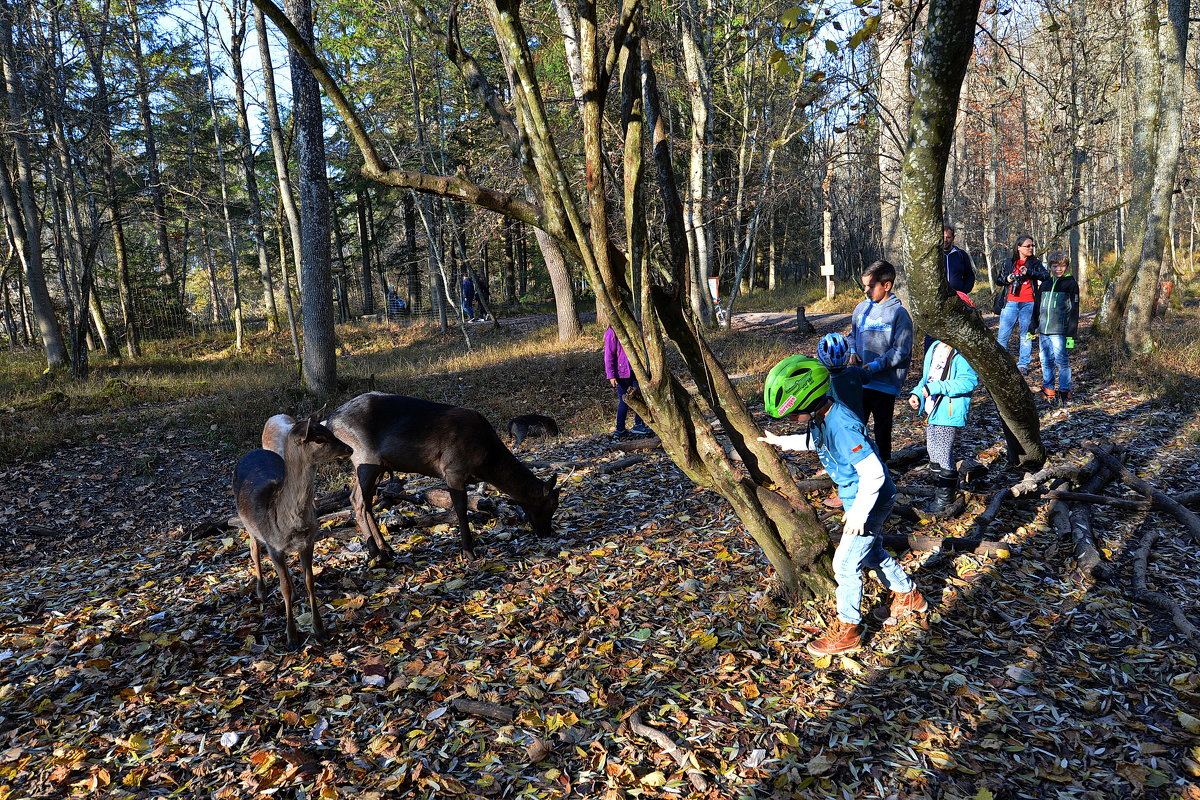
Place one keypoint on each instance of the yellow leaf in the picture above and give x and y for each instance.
(1192, 724)
(788, 738)
(823, 662)
(655, 778)
(984, 794)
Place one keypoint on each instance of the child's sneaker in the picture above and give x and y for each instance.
(622, 434)
(641, 430)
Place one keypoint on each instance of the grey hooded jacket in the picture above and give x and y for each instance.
(882, 336)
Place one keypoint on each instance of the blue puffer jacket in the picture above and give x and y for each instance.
(955, 391)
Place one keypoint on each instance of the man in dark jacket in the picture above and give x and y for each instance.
(1056, 319)
(960, 273)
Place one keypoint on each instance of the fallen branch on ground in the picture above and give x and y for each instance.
(682, 755)
(630, 445)
(1157, 600)
(1098, 499)
(478, 708)
(1088, 560)
(1161, 499)
(617, 466)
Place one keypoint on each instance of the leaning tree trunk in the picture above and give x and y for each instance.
(935, 306)
(1172, 54)
(25, 222)
(760, 488)
(895, 46)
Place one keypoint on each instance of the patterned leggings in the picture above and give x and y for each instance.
(939, 441)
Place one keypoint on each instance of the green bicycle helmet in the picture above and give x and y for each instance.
(795, 384)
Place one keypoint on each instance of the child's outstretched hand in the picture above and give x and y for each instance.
(913, 402)
(770, 438)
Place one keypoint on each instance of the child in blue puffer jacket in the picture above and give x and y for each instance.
(944, 395)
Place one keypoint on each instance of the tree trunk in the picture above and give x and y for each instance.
(25, 222)
(281, 236)
(278, 149)
(165, 265)
(1146, 124)
(364, 244)
(222, 179)
(894, 100)
(320, 340)
(699, 161)
(1172, 51)
(237, 23)
(935, 306)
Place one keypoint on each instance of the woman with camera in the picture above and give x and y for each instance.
(1020, 277)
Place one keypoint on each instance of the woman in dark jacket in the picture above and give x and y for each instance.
(1020, 276)
(1056, 319)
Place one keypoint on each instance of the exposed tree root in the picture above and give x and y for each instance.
(682, 755)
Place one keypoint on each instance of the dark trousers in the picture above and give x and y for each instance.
(622, 385)
(880, 408)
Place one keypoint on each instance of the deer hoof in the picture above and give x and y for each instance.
(468, 555)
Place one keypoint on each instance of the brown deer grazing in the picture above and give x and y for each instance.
(274, 493)
(394, 433)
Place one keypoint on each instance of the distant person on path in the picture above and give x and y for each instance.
(1021, 275)
(468, 297)
(881, 341)
(943, 395)
(800, 386)
(620, 377)
(1056, 319)
(394, 304)
(960, 272)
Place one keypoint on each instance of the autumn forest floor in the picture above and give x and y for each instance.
(134, 663)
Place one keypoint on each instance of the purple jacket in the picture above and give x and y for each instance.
(616, 363)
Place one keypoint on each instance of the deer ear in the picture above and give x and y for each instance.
(300, 430)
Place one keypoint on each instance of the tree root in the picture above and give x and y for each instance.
(1158, 600)
(1161, 500)
(682, 755)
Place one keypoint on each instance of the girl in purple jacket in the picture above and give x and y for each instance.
(620, 376)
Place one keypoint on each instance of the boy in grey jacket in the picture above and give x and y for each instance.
(881, 339)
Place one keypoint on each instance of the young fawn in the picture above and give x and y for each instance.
(274, 493)
(394, 433)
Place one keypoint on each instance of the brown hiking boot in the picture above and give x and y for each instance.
(903, 605)
(840, 637)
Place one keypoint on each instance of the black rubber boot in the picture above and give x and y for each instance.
(945, 492)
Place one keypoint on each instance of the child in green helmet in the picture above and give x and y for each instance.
(800, 386)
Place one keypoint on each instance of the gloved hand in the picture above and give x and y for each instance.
(1070, 343)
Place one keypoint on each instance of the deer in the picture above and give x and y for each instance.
(274, 494)
(396, 433)
(275, 432)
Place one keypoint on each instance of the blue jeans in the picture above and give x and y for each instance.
(1054, 354)
(857, 553)
(1009, 316)
(623, 384)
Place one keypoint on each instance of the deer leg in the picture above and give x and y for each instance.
(458, 498)
(279, 559)
(260, 588)
(310, 583)
(362, 498)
